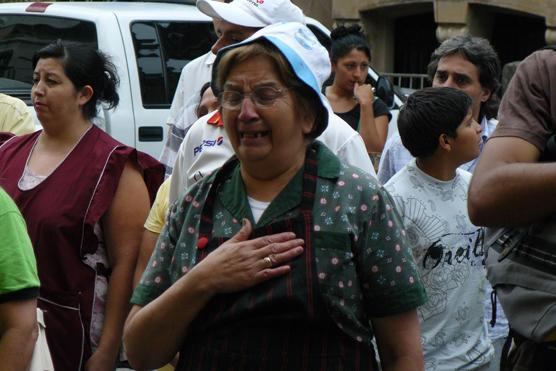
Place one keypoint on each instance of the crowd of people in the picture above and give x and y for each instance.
(280, 248)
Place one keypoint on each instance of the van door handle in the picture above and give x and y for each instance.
(151, 134)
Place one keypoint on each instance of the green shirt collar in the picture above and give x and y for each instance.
(329, 163)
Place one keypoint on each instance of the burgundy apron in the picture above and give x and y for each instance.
(61, 213)
(281, 324)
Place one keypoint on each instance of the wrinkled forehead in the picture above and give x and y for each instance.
(458, 64)
(255, 70)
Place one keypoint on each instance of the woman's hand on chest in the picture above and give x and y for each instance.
(240, 262)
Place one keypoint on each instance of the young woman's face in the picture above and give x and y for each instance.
(350, 69)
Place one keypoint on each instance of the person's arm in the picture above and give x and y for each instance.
(508, 187)
(347, 144)
(18, 333)
(148, 243)
(178, 182)
(354, 153)
(122, 228)
(152, 228)
(398, 341)
(178, 101)
(19, 287)
(18, 118)
(23, 125)
(154, 333)
(373, 130)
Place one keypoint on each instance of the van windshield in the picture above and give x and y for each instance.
(22, 35)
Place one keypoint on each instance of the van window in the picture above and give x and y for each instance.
(22, 35)
(162, 49)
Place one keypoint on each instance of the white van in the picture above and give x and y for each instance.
(149, 43)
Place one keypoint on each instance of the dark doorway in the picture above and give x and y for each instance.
(515, 36)
(415, 40)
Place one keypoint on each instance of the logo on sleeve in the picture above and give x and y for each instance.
(207, 143)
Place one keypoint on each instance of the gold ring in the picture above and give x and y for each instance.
(268, 261)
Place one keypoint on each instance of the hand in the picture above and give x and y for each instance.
(100, 361)
(240, 263)
(363, 93)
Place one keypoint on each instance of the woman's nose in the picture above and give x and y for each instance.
(248, 110)
(37, 88)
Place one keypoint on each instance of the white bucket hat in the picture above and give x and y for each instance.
(252, 13)
(308, 59)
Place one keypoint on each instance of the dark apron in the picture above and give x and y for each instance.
(281, 324)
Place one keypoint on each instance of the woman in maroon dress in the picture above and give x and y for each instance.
(84, 197)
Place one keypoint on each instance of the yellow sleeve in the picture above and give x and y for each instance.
(157, 216)
(15, 117)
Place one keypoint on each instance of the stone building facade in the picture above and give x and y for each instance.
(404, 32)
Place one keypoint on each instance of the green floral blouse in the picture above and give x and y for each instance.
(364, 266)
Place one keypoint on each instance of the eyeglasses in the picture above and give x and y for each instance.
(262, 97)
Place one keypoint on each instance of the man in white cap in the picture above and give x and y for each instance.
(205, 146)
(184, 105)
(232, 23)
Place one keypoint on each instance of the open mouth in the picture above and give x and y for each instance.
(254, 134)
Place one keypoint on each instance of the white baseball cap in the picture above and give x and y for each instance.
(252, 13)
(308, 59)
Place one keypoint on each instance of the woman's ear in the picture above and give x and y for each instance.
(308, 123)
(307, 116)
(85, 94)
(334, 66)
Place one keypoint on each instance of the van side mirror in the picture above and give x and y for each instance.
(385, 91)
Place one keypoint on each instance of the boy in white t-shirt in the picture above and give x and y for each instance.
(437, 127)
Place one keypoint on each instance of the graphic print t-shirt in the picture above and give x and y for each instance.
(449, 253)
